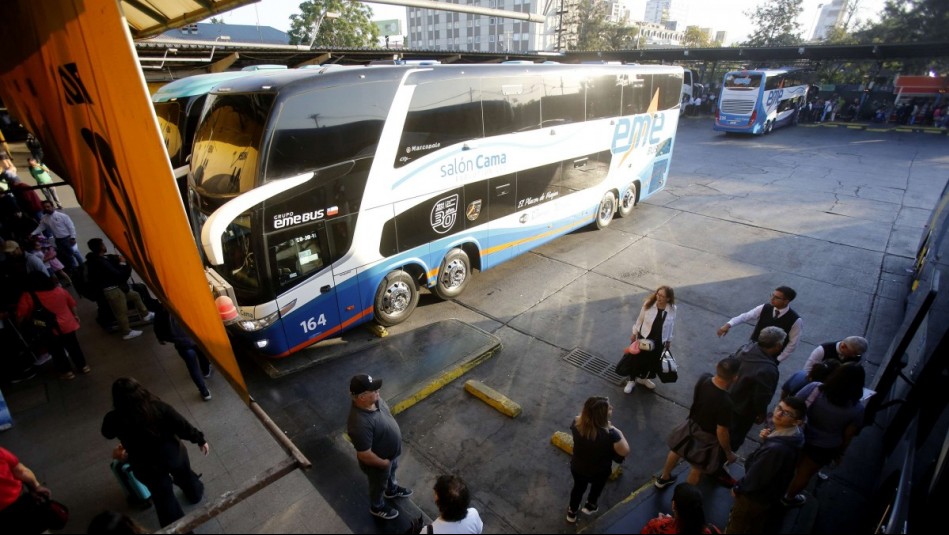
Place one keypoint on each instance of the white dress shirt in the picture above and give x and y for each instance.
(794, 336)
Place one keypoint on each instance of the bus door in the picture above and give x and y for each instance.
(303, 279)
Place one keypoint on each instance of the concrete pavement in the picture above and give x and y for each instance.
(834, 213)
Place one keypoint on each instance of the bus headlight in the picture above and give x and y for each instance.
(259, 323)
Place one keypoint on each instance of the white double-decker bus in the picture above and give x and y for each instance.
(323, 201)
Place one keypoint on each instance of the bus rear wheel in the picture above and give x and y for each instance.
(628, 202)
(395, 299)
(604, 212)
(768, 126)
(453, 275)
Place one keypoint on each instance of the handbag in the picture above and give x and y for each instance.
(54, 514)
(633, 348)
(42, 323)
(645, 344)
(668, 368)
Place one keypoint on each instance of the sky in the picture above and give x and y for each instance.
(727, 15)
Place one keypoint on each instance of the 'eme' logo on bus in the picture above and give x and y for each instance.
(444, 214)
(637, 132)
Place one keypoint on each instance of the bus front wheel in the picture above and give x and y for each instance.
(453, 275)
(628, 202)
(604, 213)
(395, 299)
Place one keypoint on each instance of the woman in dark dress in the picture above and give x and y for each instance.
(151, 430)
(656, 321)
(595, 444)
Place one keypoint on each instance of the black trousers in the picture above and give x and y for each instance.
(580, 484)
(60, 345)
(159, 482)
(23, 516)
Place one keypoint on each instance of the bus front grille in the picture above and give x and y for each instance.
(741, 107)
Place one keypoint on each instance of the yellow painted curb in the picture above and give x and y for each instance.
(492, 397)
(377, 330)
(564, 441)
(436, 384)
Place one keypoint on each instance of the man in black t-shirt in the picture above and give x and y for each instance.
(378, 441)
(703, 440)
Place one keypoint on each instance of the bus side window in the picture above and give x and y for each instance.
(441, 113)
(603, 97)
(637, 94)
(562, 102)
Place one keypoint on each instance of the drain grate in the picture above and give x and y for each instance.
(595, 365)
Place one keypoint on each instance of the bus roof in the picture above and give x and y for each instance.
(280, 80)
(195, 85)
(766, 72)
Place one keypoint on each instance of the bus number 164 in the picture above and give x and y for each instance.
(313, 324)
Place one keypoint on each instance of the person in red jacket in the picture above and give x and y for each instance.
(18, 487)
(61, 303)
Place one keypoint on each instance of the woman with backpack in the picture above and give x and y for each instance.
(50, 313)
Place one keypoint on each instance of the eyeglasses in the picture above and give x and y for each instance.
(781, 412)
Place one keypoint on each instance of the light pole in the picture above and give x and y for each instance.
(319, 22)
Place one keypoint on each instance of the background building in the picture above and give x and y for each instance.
(446, 30)
(831, 15)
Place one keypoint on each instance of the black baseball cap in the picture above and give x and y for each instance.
(363, 383)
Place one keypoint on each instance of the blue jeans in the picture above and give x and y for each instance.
(380, 480)
(198, 365)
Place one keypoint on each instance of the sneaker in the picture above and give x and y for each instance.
(386, 513)
(43, 359)
(85, 370)
(148, 317)
(206, 395)
(589, 508)
(663, 483)
(630, 385)
(68, 376)
(398, 492)
(571, 516)
(795, 501)
(646, 382)
(132, 334)
(822, 476)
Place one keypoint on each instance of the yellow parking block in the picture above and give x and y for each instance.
(564, 441)
(492, 397)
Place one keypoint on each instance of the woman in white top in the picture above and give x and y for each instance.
(454, 513)
(656, 321)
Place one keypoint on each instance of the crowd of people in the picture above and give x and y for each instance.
(819, 412)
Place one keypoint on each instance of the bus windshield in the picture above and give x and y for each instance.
(171, 122)
(227, 144)
(742, 81)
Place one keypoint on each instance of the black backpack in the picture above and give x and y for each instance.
(42, 323)
(84, 286)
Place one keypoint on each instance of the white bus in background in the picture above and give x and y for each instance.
(688, 88)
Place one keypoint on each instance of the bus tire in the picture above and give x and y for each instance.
(395, 299)
(604, 212)
(453, 275)
(768, 126)
(628, 202)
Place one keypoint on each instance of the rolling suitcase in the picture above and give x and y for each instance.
(135, 492)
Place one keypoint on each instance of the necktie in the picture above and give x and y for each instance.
(775, 313)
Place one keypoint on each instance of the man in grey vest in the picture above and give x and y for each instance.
(848, 350)
(777, 312)
(378, 441)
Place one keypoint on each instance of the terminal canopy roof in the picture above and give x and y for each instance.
(147, 18)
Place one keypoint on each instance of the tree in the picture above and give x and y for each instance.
(695, 37)
(593, 31)
(352, 28)
(777, 25)
(910, 21)
(217, 20)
